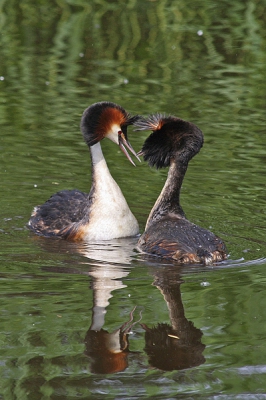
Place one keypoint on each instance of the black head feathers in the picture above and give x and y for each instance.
(171, 138)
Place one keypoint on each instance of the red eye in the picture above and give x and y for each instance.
(119, 133)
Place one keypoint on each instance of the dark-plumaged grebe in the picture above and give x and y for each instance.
(103, 214)
(168, 233)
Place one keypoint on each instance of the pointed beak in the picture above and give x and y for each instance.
(123, 144)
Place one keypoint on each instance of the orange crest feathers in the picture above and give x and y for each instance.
(153, 122)
(98, 119)
(109, 117)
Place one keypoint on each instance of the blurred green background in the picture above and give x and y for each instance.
(199, 60)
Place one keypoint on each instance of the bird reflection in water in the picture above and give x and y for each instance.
(108, 351)
(174, 346)
(109, 264)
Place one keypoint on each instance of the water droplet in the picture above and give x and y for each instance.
(205, 283)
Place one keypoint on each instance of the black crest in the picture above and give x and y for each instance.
(172, 137)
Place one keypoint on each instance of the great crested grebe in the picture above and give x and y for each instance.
(102, 214)
(168, 233)
(175, 345)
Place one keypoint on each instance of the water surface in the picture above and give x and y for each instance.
(187, 332)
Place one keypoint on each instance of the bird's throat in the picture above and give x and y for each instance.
(168, 201)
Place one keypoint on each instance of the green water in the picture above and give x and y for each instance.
(202, 61)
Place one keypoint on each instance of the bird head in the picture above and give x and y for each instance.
(107, 120)
(171, 138)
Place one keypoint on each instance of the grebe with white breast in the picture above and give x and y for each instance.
(102, 214)
(168, 233)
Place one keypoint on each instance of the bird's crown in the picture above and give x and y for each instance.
(172, 137)
(98, 119)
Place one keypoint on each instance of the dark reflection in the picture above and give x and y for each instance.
(176, 345)
(108, 351)
(173, 346)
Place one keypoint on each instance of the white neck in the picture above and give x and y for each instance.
(110, 216)
(96, 154)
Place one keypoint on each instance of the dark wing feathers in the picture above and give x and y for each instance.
(59, 212)
(182, 241)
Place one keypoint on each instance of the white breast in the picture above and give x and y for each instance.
(110, 216)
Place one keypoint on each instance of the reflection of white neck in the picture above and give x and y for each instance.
(105, 280)
(110, 216)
